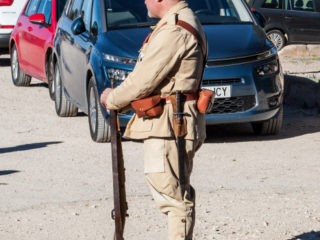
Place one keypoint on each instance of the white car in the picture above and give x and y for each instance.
(9, 13)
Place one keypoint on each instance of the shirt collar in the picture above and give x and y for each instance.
(173, 10)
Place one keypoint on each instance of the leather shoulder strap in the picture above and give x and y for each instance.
(195, 33)
(203, 46)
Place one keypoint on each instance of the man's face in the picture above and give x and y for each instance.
(153, 8)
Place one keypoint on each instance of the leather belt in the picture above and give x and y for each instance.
(187, 97)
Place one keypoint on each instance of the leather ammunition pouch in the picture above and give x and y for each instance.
(205, 101)
(148, 107)
(153, 106)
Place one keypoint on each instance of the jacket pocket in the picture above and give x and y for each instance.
(141, 125)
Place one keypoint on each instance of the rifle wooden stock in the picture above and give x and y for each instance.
(180, 134)
(119, 212)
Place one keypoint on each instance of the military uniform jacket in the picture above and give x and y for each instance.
(170, 60)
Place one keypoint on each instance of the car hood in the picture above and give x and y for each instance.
(124, 42)
(225, 41)
(228, 41)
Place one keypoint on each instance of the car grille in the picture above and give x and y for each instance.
(233, 104)
(221, 81)
(235, 60)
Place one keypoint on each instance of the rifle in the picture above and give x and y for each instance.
(180, 132)
(119, 213)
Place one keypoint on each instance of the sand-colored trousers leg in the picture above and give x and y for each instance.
(161, 171)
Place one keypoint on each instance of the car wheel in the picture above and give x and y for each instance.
(50, 79)
(64, 108)
(277, 38)
(271, 126)
(19, 78)
(99, 127)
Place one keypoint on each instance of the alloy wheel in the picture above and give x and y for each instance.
(93, 110)
(57, 87)
(277, 39)
(15, 64)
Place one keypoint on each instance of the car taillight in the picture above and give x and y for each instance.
(6, 2)
(6, 26)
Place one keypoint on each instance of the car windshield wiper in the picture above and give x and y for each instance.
(133, 25)
(221, 23)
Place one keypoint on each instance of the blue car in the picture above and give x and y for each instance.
(97, 43)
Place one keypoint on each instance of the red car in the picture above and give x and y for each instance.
(31, 42)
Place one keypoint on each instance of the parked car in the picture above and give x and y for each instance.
(290, 21)
(9, 13)
(31, 42)
(97, 43)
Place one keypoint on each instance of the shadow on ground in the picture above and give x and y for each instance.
(5, 62)
(308, 236)
(301, 92)
(8, 172)
(296, 122)
(27, 147)
(41, 84)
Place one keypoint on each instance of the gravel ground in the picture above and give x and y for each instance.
(55, 183)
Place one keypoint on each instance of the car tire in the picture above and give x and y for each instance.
(99, 127)
(277, 38)
(271, 126)
(64, 108)
(19, 78)
(50, 79)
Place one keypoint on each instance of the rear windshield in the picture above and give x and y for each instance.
(133, 14)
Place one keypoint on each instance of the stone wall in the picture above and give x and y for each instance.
(301, 50)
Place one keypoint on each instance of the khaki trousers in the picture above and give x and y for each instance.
(161, 172)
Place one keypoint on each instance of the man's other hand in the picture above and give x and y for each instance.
(104, 96)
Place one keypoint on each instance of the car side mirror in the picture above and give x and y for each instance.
(37, 18)
(259, 17)
(94, 29)
(78, 26)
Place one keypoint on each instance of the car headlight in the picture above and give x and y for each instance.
(268, 68)
(116, 76)
(270, 53)
(116, 59)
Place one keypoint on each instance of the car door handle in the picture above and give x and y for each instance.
(30, 29)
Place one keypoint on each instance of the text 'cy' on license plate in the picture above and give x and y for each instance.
(220, 91)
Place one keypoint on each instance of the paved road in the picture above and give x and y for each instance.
(55, 183)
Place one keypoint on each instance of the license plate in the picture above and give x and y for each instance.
(220, 91)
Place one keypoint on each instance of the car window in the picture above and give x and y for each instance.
(126, 14)
(32, 7)
(74, 9)
(277, 4)
(96, 18)
(287, 5)
(60, 6)
(86, 13)
(45, 8)
(302, 5)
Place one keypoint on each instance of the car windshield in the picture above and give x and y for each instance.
(133, 14)
(60, 7)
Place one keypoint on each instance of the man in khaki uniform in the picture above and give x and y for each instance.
(171, 59)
